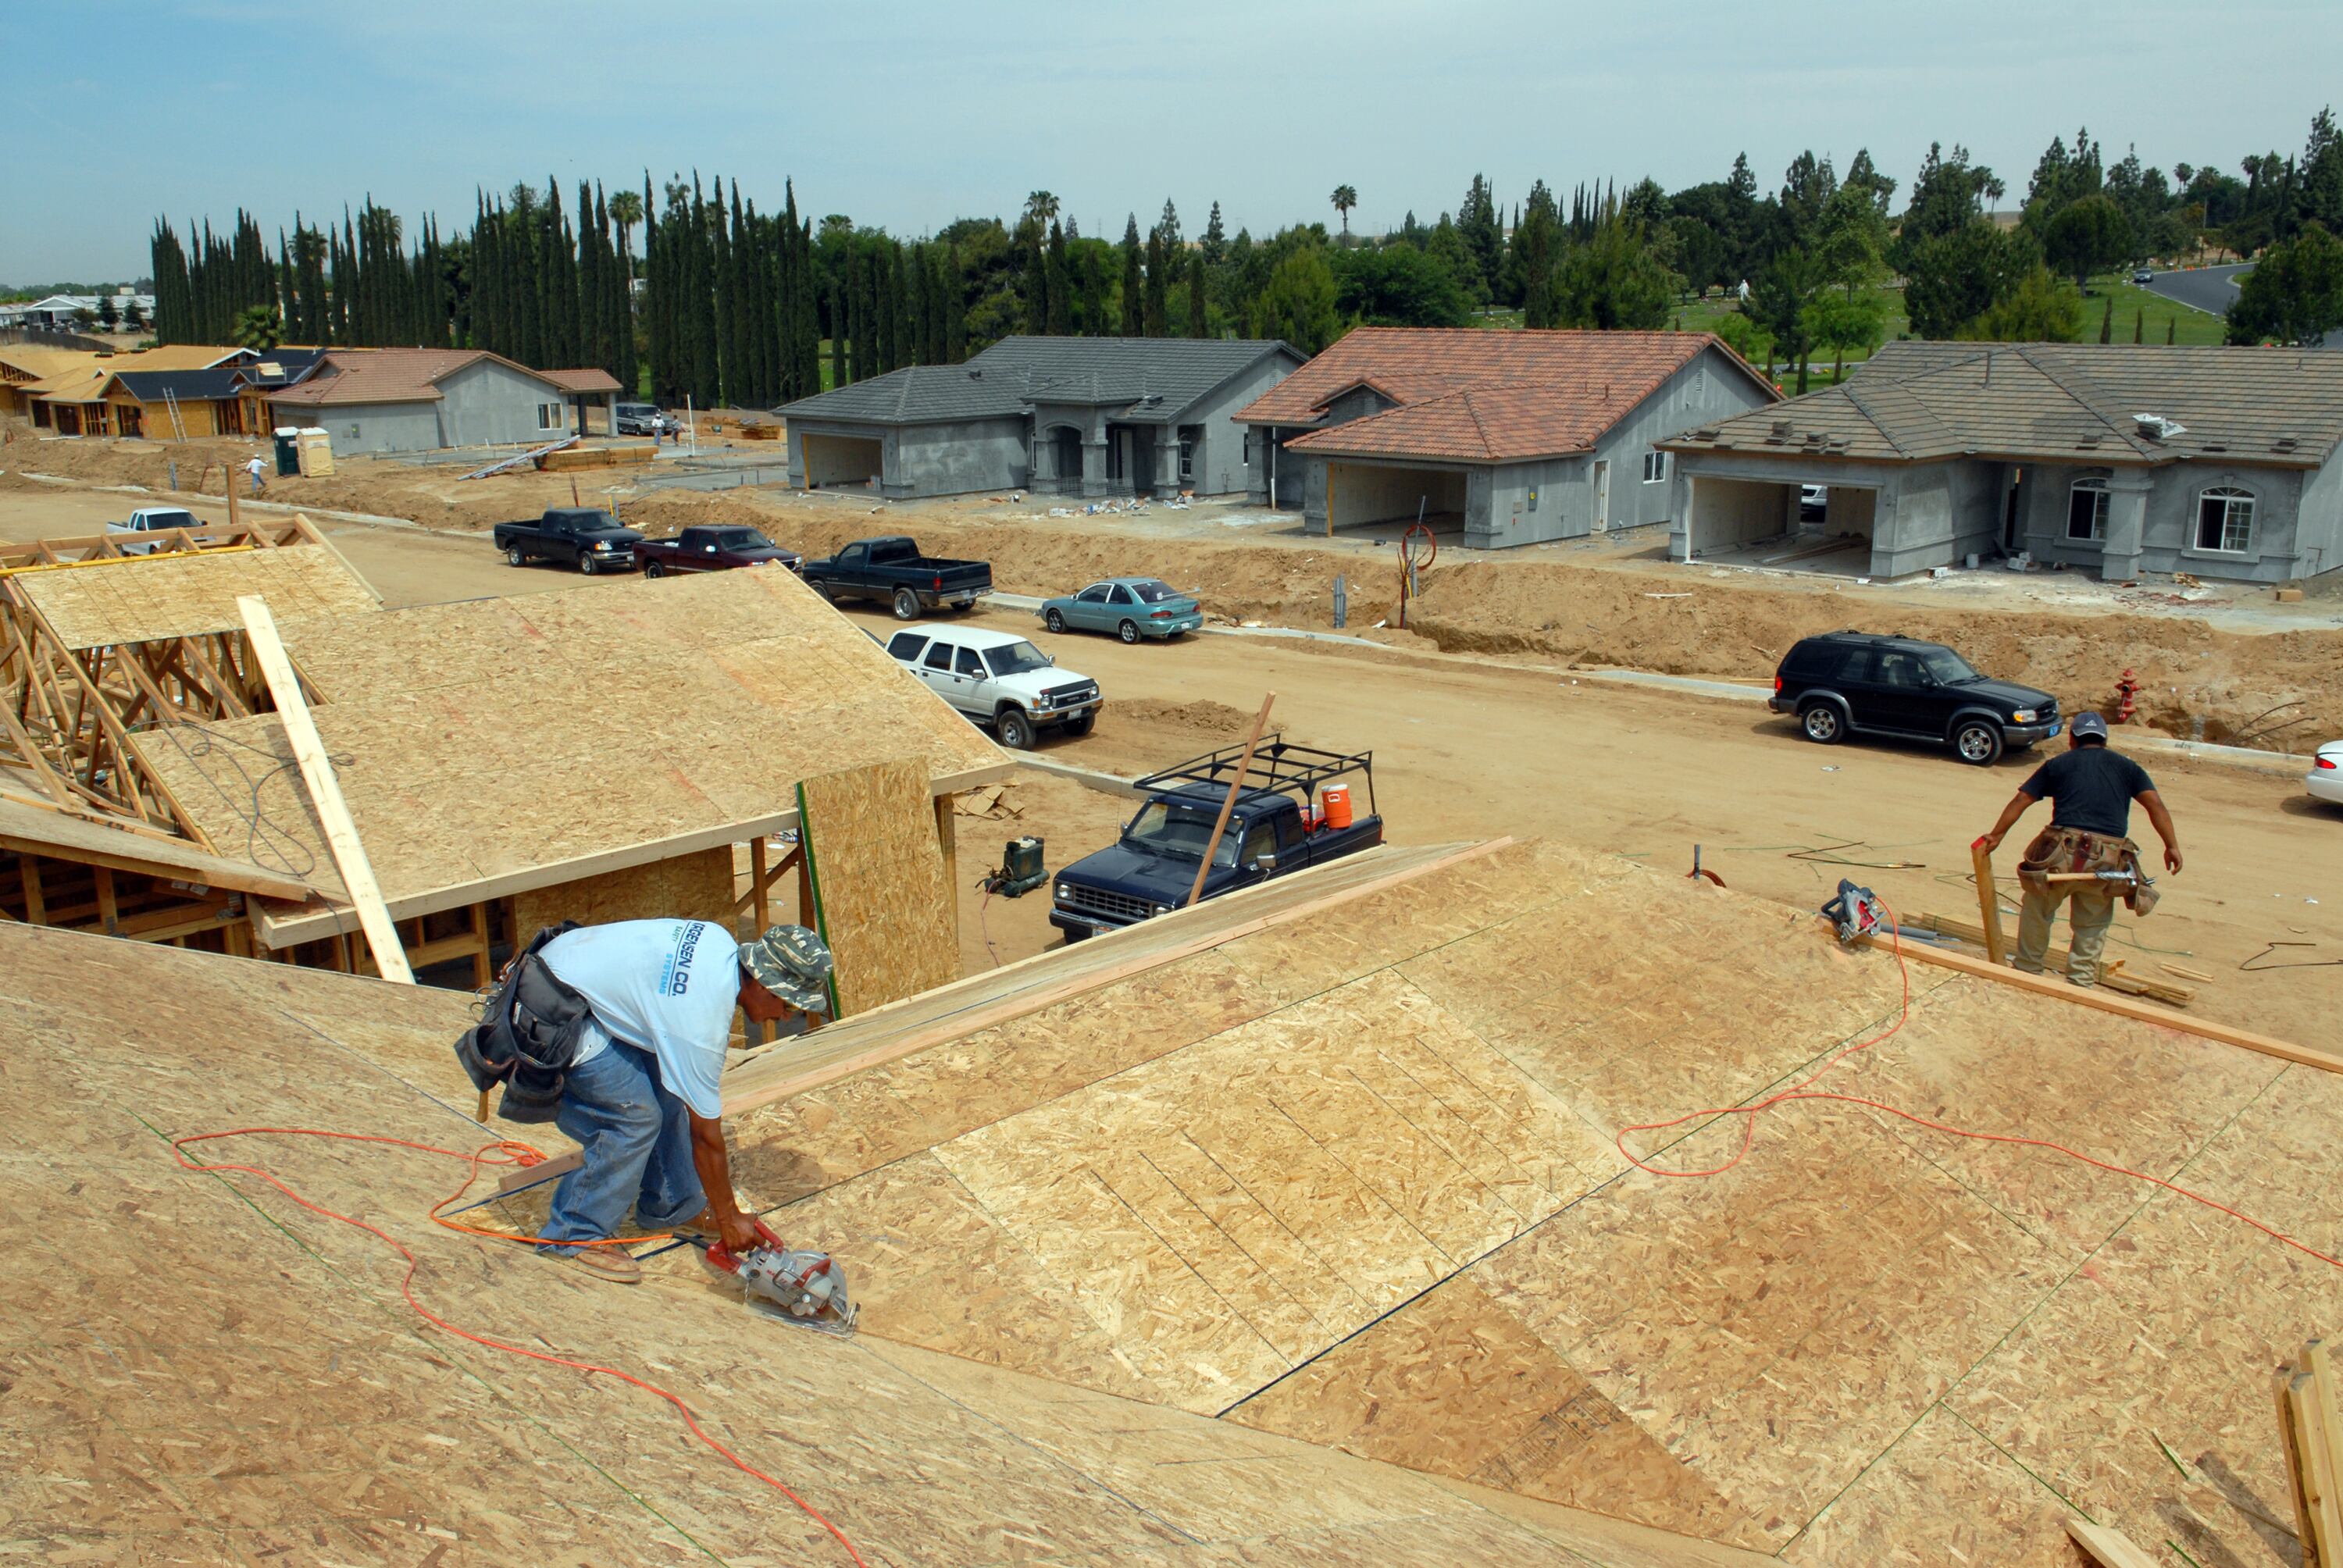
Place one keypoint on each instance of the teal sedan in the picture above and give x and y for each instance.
(1131, 607)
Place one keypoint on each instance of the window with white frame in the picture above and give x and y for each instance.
(2225, 520)
(1656, 468)
(2087, 511)
(549, 416)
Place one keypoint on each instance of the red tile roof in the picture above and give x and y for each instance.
(389, 376)
(1480, 396)
(583, 380)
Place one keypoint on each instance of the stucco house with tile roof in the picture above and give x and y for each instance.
(1517, 437)
(1076, 417)
(2115, 458)
(419, 399)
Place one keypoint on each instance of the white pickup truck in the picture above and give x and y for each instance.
(151, 520)
(998, 678)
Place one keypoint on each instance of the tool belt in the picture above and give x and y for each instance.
(527, 1034)
(2076, 849)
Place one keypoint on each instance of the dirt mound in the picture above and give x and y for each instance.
(1203, 717)
(2195, 681)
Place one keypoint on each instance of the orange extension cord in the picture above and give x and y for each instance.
(1799, 1090)
(504, 1151)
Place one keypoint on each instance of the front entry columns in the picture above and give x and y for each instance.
(1167, 460)
(2126, 526)
(1094, 468)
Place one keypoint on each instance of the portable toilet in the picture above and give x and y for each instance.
(288, 451)
(316, 451)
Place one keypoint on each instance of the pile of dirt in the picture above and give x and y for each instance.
(2194, 681)
(1203, 717)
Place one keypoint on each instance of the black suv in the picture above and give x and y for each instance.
(1852, 680)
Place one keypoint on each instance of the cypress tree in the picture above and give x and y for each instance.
(838, 372)
(1036, 282)
(706, 377)
(721, 251)
(2139, 324)
(1059, 285)
(955, 288)
(2171, 331)
(1133, 282)
(2107, 321)
(1198, 324)
(1159, 285)
(1094, 322)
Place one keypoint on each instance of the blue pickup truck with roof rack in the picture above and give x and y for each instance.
(1289, 814)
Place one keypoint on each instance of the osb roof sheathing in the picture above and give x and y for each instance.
(198, 1369)
(499, 745)
(175, 594)
(1352, 1178)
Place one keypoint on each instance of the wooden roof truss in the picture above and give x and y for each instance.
(66, 715)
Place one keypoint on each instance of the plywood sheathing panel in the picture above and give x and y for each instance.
(245, 1384)
(785, 1151)
(1537, 1427)
(1231, 1208)
(878, 872)
(694, 887)
(484, 741)
(167, 597)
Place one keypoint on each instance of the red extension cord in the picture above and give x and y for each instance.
(1797, 1092)
(507, 1151)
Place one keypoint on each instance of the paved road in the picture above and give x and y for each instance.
(2210, 289)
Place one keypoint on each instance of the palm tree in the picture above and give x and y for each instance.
(1345, 197)
(626, 211)
(256, 327)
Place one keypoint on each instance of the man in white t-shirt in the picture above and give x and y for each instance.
(642, 1095)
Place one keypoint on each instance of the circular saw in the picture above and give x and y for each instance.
(808, 1289)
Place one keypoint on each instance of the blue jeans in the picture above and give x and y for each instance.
(637, 1140)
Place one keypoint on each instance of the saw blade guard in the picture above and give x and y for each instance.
(805, 1288)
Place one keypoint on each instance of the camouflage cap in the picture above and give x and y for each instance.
(792, 963)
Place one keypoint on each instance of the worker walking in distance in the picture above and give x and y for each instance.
(617, 1034)
(2090, 790)
(255, 469)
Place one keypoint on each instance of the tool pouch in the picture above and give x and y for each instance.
(2079, 850)
(528, 1035)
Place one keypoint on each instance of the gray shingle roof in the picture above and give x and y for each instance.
(1154, 380)
(1922, 402)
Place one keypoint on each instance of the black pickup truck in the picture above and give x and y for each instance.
(892, 572)
(721, 547)
(1278, 827)
(594, 540)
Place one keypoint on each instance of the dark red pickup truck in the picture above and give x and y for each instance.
(713, 549)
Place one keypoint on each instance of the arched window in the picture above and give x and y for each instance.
(2225, 520)
(2087, 510)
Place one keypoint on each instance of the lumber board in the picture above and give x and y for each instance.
(1229, 804)
(31, 830)
(2135, 1009)
(1988, 905)
(2108, 1548)
(1019, 989)
(2054, 960)
(325, 793)
(881, 891)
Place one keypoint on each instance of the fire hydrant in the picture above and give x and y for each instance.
(2127, 697)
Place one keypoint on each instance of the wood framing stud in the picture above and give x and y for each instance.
(325, 791)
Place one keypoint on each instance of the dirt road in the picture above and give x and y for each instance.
(1466, 750)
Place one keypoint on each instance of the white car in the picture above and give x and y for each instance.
(998, 679)
(2324, 779)
(151, 520)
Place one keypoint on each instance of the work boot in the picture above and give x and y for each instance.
(612, 1263)
(699, 1230)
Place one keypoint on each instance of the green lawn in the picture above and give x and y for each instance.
(2158, 314)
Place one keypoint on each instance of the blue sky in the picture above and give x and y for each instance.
(911, 112)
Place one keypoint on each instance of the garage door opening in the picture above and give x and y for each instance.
(835, 461)
(1808, 527)
(1368, 496)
